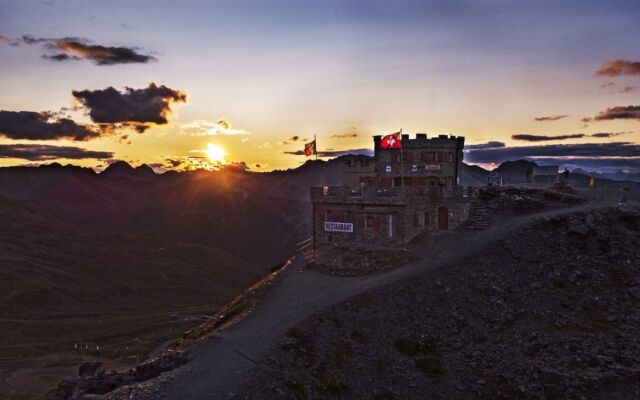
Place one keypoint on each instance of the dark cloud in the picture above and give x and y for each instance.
(82, 49)
(334, 153)
(543, 138)
(619, 67)
(188, 163)
(602, 164)
(42, 152)
(550, 118)
(627, 89)
(224, 123)
(59, 57)
(584, 150)
(350, 133)
(290, 140)
(236, 165)
(619, 112)
(487, 145)
(46, 125)
(102, 55)
(607, 134)
(133, 108)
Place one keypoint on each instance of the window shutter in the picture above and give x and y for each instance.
(360, 221)
(423, 156)
(376, 222)
(408, 156)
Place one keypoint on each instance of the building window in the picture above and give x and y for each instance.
(348, 217)
(325, 190)
(369, 222)
(431, 156)
(450, 157)
(414, 168)
(387, 169)
(418, 218)
(327, 215)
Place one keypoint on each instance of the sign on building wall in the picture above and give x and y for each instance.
(338, 227)
(432, 167)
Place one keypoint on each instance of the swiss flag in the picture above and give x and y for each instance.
(391, 141)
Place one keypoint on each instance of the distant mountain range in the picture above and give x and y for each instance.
(614, 176)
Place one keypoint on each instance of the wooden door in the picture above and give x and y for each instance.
(443, 218)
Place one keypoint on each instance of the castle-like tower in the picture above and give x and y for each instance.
(422, 162)
(406, 192)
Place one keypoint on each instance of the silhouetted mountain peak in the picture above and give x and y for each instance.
(57, 167)
(517, 165)
(122, 169)
(144, 170)
(118, 167)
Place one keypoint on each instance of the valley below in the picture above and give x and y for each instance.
(110, 267)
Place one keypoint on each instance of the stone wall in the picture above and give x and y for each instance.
(357, 169)
(426, 162)
(457, 212)
(371, 223)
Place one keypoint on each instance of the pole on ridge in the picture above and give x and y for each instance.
(401, 161)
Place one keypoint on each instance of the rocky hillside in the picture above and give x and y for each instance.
(552, 311)
(123, 262)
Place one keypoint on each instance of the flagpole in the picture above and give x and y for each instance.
(315, 151)
(401, 161)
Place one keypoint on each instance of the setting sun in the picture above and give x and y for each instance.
(216, 153)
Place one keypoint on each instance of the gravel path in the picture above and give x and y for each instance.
(221, 363)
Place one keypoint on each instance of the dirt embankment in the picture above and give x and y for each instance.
(518, 200)
(552, 311)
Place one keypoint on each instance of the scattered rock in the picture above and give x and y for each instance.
(91, 384)
(545, 313)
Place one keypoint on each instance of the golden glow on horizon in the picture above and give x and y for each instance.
(215, 153)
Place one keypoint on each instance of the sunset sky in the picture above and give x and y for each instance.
(260, 78)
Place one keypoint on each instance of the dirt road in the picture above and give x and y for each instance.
(220, 363)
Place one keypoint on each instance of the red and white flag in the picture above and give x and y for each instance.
(310, 148)
(392, 141)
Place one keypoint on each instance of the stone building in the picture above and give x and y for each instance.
(547, 174)
(405, 193)
(434, 162)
